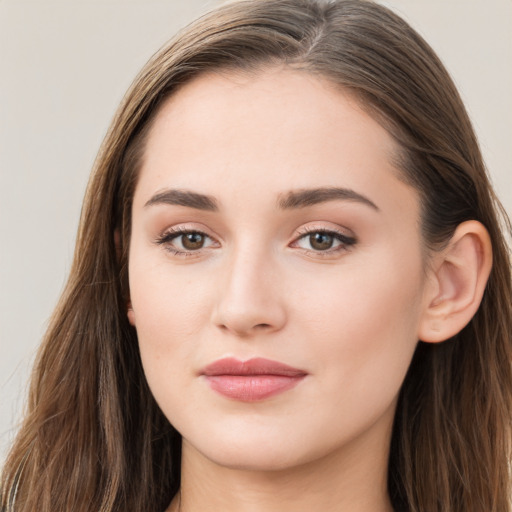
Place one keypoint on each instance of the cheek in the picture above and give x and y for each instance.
(365, 331)
(167, 300)
(380, 293)
(170, 310)
(168, 323)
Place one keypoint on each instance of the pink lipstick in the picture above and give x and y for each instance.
(252, 380)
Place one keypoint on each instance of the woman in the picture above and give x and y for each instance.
(290, 288)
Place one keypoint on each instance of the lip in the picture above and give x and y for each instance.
(252, 380)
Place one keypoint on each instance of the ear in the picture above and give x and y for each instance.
(129, 310)
(457, 280)
(130, 314)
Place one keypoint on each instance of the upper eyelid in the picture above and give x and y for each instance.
(166, 238)
(186, 228)
(343, 238)
(298, 232)
(343, 232)
(171, 234)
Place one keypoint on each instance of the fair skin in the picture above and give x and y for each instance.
(336, 287)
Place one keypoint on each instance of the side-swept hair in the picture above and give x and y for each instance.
(94, 438)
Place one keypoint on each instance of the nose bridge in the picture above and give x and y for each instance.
(249, 296)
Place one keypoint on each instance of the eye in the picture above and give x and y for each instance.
(321, 241)
(324, 241)
(192, 241)
(182, 241)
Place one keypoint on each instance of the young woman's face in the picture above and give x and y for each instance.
(269, 224)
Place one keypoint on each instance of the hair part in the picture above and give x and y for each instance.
(94, 437)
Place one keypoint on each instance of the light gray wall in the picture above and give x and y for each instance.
(64, 67)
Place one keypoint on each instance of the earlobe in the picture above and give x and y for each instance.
(129, 309)
(130, 314)
(459, 276)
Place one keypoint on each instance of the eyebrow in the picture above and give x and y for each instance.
(184, 198)
(291, 200)
(309, 197)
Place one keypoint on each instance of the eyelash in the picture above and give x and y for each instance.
(168, 236)
(345, 241)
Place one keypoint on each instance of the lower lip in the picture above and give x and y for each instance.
(251, 388)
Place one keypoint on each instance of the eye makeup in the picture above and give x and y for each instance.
(323, 242)
(183, 241)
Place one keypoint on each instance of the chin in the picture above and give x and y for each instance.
(259, 450)
(257, 459)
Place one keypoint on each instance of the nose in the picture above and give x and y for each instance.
(250, 299)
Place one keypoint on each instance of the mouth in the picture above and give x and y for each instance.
(252, 380)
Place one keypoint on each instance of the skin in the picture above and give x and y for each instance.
(349, 316)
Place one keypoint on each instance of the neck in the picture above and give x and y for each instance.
(352, 479)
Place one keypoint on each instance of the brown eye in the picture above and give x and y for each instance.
(324, 242)
(192, 241)
(183, 242)
(321, 241)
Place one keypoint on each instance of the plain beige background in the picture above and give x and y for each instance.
(64, 67)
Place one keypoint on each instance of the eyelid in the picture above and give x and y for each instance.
(170, 233)
(346, 240)
(187, 227)
(323, 227)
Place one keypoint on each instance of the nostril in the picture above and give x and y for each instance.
(245, 330)
(241, 312)
(262, 326)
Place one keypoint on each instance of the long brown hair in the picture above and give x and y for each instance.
(94, 438)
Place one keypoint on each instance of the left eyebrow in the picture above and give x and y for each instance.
(308, 197)
(184, 198)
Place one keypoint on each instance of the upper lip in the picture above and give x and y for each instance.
(255, 366)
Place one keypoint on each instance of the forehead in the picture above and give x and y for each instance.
(260, 134)
(282, 103)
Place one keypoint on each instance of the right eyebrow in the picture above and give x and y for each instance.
(184, 198)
